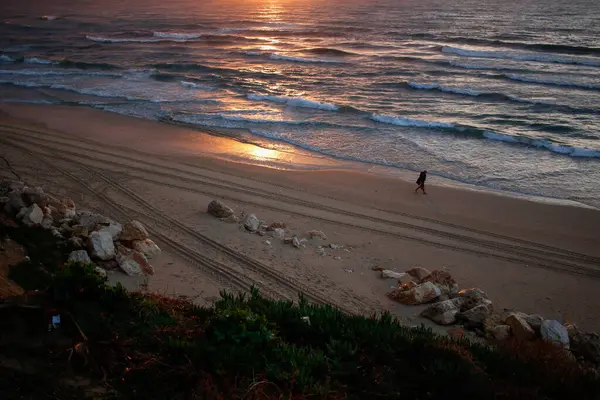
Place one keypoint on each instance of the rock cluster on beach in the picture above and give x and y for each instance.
(275, 230)
(447, 305)
(91, 236)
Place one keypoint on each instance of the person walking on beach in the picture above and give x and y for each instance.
(421, 182)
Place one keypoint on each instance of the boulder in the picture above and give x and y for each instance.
(419, 294)
(100, 245)
(473, 297)
(147, 247)
(317, 234)
(80, 256)
(553, 331)
(47, 222)
(443, 312)
(35, 195)
(251, 223)
(519, 326)
(475, 316)
(113, 228)
(32, 215)
(78, 231)
(14, 204)
(418, 273)
(296, 242)
(133, 230)
(387, 274)
(101, 272)
(535, 322)
(64, 209)
(278, 233)
(443, 280)
(490, 323)
(219, 209)
(133, 263)
(91, 220)
(500, 332)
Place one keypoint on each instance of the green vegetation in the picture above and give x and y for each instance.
(141, 345)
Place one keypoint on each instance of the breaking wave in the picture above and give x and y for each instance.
(295, 102)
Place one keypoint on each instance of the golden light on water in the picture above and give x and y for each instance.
(263, 154)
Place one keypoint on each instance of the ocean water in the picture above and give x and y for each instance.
(503, 95)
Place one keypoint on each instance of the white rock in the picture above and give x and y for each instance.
(101, 245)
(443, 312)
(251, 223)
(278, 233)
(268, 242)
(296, 242)
(133, 263)
(147, 247)
(519, 326)
(133, 230)
(33, 215)
(47, 222)
(114, 228)
(555, 332)
(79, 256)
(387, 274)
(89, 220)
(501, 332)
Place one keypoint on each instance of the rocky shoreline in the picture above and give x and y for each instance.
(474, 311)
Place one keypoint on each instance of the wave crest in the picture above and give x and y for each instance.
(295, 102)
(176, 35)
(519, 57)
(409, 122)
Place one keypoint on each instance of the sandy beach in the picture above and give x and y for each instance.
(528, 256)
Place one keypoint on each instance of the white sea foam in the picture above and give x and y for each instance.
(258, 120)
(175, 35)
(387, 119)
(193, 85)
(5, 59)
(301, 59)
(544, 144)
(520, 56)
(126, 40)
(434, 86)
(295, 102)
(33, 72)
(35, 60)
